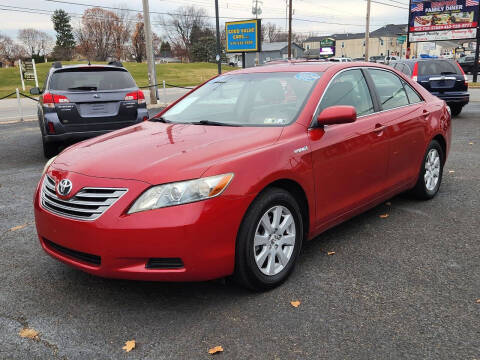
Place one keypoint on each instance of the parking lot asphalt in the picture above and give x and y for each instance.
(401, 287)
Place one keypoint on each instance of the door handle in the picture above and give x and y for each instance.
(425, 113)
(379, 128)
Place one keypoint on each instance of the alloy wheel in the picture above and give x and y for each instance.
(432, 169)
(274, 240)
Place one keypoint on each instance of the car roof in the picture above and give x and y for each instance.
(307, 66)
(87, 66)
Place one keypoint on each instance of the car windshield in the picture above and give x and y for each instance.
(93, 79)
(257, 99)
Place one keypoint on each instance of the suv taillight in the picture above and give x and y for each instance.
(415, 72)
(136, 95)
(463, 73)
(49, 100)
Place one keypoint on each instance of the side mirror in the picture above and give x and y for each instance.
(340, 114)
(35, 91)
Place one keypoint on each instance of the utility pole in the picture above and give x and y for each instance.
(152, 77)
(289, 29)
(367, 30)
(219, 50)
(475, 62)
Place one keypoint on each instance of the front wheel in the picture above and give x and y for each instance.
(269, 240)
(431, 172)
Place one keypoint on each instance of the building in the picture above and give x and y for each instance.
(387, 40)
(273, 51)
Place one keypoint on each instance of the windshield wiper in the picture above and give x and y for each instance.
(159, 119)
(448, 73)
(213, 123)
(92, 88)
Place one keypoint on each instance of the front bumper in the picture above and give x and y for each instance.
(201, 234)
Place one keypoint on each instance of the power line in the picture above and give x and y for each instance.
(381, 3)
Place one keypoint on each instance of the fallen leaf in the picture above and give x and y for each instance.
(15, 228)
(216, 349)
(470, 143)
(384, 216)
(29, 333)
(388, 203)
(331, 253)
(295, 303)
(451, 171)
(129, 345)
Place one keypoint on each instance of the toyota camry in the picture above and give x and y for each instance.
(234, 177)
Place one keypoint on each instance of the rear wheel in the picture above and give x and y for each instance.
(431, 172)
(49, 149)
(269, 240)
(456, 109)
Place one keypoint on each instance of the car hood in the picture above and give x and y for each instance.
(159, 153)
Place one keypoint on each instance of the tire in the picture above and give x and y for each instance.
(275, 268)
(431, 169)
(456, 110)
(49, 149)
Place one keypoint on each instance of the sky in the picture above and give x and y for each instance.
(320, 17)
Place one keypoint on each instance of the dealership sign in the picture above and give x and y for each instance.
(443, 35)
(327, 47)
(442, 18)
(243, 36)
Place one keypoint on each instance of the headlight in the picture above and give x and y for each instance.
(181, 192)
(49, 162)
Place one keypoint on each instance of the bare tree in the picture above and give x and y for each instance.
(138, 40)
(37, 42)
(122, 34)
(10, 51)
(270, 32)
(102, 34)
(178, 27)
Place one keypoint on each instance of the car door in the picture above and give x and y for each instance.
(349, 160)
(404, 114)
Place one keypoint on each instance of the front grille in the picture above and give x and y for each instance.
(87, 204)
(77, 255)
(164, 263)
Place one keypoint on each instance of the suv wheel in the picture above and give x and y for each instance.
(269, 240)
(49, 149)
(456, 110)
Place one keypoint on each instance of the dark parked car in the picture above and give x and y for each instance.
(467, 63)
(82, 101)
(443, 78)
(377, 59)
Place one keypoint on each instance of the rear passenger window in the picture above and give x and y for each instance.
(413, 97)
(405, 69)
(349, 88)
(389, 88)
(437, 67)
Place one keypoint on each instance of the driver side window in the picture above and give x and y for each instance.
(348, 88)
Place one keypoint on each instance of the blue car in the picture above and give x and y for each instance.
(443, 78)
(83, 101)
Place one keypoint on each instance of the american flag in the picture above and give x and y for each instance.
(419, 7)
(471, 3)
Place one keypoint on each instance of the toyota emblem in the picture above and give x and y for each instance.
(64, 187)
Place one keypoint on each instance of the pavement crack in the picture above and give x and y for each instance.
(24, 323)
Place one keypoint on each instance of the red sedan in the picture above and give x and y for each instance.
(236, 175)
